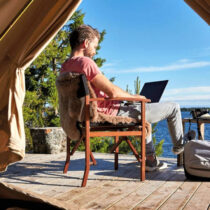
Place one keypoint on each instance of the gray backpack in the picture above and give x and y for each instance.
(197, 159)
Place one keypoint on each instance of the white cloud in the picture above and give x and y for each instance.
(108, 65)
(188, 98)
(188, 90)
(179, 65)
(194, 103)
(184, 60)
(172, 67)
(190, 101)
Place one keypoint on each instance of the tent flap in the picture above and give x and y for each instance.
(23, 36)
(201, 7)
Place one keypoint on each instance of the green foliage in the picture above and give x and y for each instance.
(41, 102)
(128, 90)
(112, 79)
(137, 85)
(136, 141)
(99, 144)
(158, 146)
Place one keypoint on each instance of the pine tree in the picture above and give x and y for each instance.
(128, 90)
(41, 101)
(137, 85)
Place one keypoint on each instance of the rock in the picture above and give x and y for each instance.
(48, 140)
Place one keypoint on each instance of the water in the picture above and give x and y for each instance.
(163, 133)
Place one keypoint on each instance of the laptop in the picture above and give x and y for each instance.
(154, 90)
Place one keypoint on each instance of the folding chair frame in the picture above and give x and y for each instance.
(89, 133)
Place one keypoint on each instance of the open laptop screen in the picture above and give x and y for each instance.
(154, 90)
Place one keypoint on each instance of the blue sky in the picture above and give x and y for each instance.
(155, 40)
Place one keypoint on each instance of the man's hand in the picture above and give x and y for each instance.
(140, 96)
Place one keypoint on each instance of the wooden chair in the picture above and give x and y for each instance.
(81, 121)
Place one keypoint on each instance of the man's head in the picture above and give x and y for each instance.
(85, 37)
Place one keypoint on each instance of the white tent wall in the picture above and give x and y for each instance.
(19, 46)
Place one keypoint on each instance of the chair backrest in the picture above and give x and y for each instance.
(72, 89)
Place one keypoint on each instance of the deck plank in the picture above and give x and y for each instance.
(201, 199)
(100, 199)
(101, 178)
(159, 196)
(106, 188)
(101, 188)
(133, 199)
(179, 199)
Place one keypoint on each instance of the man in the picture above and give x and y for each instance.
(84, 41)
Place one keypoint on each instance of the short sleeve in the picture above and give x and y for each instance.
(90, 69)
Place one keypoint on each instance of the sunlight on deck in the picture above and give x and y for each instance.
(107, 188)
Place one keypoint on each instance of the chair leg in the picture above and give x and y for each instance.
(76, 146)
(116, 145)
(69, 152)
(116, 153)
(87, 161)
(92, 158)
(143, 157)
(133, 149)
(143, 142)
(66, 166)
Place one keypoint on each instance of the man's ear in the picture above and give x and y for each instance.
(86, 43)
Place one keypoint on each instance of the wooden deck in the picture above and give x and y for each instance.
(106, 188)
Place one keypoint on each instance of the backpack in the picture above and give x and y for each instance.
(197, 160)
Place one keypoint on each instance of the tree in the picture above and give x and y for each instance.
(137, 85)
(158, 146)
(41, 101)
(128, 90)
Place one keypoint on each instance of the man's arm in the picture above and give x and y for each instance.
(113, 91)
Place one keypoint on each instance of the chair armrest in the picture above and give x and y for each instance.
(120, 99)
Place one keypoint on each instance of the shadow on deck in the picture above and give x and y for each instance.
(42, 175)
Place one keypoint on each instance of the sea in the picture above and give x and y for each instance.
(163, 133)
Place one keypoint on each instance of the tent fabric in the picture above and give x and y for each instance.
(10, 193)
(202, 7)
(27, 36)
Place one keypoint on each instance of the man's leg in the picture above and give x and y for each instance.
(133, 111)
(156, 112)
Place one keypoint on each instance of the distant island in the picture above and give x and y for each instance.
(189, 109)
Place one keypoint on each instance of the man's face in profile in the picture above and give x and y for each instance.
(91, 46)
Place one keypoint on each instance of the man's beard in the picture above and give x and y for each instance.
(88, 53)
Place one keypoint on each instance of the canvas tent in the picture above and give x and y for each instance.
(26, 27)
(202, 7)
